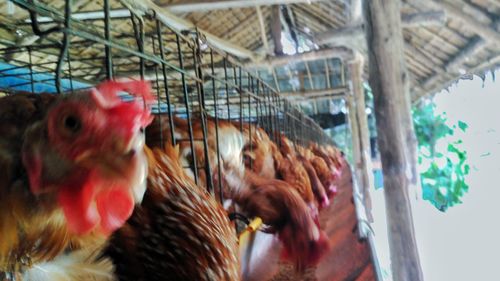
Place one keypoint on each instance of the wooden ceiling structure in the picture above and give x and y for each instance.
(445, 40)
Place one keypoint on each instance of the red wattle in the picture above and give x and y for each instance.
(76, 200)
(89, 202)
(115, 206)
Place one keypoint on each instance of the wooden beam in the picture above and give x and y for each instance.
(311, 82)
(389, 82)
(333, 52)
(362, 152)
(348, 33)
(203, 6)
(340, 36)
(89, 15)
(197, 6)
(355, 139)
(289, 25)
(317, 99)
(290, 76)
(361, 147)
(276, 82)
(262, 26)
(306, 94)
(428, 18)
(327, 74)
(276, 30)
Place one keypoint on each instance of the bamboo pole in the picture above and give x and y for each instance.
(389, 81)
(262, 27)
(276, 30)
(363, 160)
(337, 91)
(333, 52)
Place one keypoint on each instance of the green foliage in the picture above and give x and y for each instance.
(442, 172)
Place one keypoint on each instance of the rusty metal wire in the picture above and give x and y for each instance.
(191, 79)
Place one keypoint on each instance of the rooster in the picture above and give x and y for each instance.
(73, 169)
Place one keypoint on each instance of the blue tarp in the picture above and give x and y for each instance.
(19, 79)
(379, 179)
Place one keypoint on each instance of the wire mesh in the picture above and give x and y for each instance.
(191, 79)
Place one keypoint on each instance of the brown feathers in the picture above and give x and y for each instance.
(32, 229)
(291, 170)
(178, 233)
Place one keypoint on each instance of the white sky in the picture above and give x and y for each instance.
(462, 244)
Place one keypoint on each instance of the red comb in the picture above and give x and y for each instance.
(106, 94)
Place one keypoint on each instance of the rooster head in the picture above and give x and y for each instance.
(88, 153)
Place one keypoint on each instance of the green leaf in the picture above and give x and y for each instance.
(443, 184)
(466, 169)
(462, 125)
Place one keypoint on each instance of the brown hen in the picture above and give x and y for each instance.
(178, 233)
(60, 167)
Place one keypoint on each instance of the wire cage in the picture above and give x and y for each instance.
(59, 52)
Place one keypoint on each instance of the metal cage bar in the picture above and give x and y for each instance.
(192, 80)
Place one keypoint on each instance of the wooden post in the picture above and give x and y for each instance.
(354, 126)
(389, 82)
(363, 160)
(276, 30)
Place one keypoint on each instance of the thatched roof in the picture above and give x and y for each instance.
(445, 40)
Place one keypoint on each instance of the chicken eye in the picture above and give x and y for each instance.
(72, 123)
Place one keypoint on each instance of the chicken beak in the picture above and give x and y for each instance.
(112, 156)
